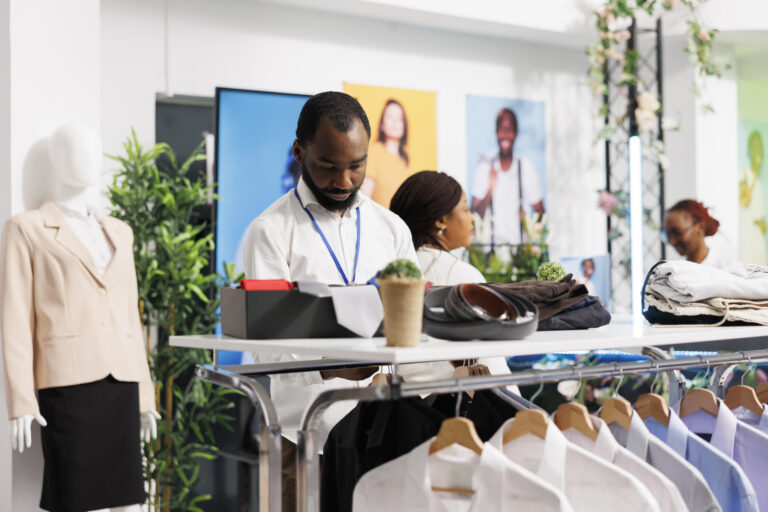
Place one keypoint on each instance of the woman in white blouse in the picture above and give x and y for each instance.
(435, 208)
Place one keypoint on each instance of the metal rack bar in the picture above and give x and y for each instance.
(308, 480)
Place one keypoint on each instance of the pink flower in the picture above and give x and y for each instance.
(623, 35)
(607, 202)
(704, 36)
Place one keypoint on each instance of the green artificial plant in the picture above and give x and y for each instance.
(402, 269)
(154, 194)
(550, 271)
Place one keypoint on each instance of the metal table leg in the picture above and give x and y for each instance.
(270, 448)
(307, 460)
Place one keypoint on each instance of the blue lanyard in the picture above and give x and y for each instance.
(328, 246)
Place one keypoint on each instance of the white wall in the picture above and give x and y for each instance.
(291, 49)
(49, 75)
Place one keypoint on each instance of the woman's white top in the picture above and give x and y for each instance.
(442, 268)
(716, 259)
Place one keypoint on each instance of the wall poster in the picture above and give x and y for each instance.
(403, 136)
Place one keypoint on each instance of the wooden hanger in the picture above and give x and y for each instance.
(699, 399)
(530, 421)
(575, 415)
(743, 396)
(456, 431)
(617, 410)
(762, 392)
(381, 379)
(654, 406)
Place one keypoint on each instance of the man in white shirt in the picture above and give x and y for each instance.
(505, 185)
(323, 230)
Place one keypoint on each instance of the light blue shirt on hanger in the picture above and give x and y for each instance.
(746, 445)
(750, 418)
(690, 482)
(725, 478)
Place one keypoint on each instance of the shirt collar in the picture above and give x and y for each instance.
(309, 198)
(69, 212)
(638, 436)
(487, 478)
(723, 431)
(744, 414)
(605, 445)
(552, 462)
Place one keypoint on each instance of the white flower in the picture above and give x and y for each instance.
(648, 101)
(646, 120)
(664, 161)
(568, 388)
(623, 35)
(670, 123)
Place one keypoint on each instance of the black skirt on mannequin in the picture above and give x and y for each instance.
(91, 446)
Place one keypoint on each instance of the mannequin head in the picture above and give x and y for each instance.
(75, 152)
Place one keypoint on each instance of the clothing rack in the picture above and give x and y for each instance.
(308, 481)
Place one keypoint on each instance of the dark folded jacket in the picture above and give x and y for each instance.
(551, 297)
(585, 315)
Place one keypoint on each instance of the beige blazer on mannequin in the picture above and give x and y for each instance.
(63, 323)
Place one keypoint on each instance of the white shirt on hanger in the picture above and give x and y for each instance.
(90, 232)
(607, 448)
(405, 484)
(589, 483)
(282, 243)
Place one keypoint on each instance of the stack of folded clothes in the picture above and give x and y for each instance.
(562, 305)
(681, 292)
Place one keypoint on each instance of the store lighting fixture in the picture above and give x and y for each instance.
(636, 223)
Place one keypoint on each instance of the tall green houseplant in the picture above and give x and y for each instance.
(172, 261)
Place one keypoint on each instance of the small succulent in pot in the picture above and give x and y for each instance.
(550, 271)
(402, 269)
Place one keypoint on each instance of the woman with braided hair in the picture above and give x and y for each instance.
(686, 225)
(435, 208)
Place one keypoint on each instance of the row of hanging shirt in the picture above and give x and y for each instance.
(698, 455)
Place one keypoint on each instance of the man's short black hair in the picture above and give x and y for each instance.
(339, 108)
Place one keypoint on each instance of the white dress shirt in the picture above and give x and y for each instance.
(282, 243)
(589, 483)
(744, 444)
(405, 484)
(607, 448)
(90, 232)
(688, 480)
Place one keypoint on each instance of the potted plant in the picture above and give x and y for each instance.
(402, 294)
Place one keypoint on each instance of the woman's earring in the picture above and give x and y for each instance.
(441, 231)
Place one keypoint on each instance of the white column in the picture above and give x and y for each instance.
(49, 75)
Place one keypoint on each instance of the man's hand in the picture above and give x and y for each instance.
(361, 373)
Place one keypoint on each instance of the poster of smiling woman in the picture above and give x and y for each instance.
(506, 167)
(403, 136)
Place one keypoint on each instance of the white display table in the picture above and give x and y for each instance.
(621, 333)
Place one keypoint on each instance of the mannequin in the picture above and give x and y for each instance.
(64, 265)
